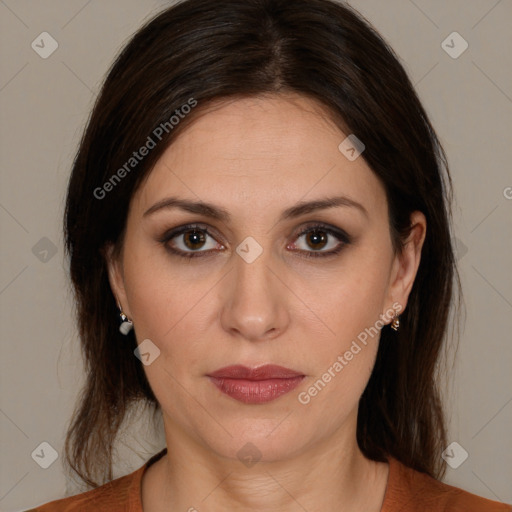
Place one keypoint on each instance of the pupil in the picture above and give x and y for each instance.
(317, 239)
(196, 236)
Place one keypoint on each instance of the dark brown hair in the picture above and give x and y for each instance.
(206, 50)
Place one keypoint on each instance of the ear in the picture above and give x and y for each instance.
(406, 263)
(116, 277)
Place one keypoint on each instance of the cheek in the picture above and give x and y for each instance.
(348, 299)
(349, 302)
(161, 290)
(344, 358)
(171, 306)
(167, 308)
(174, 319)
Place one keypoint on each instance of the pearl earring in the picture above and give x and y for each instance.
(126, 325)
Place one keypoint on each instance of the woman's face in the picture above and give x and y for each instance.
(251, 296)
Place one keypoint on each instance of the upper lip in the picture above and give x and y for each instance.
(266, 371)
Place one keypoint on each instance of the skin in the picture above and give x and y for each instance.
(256, 157)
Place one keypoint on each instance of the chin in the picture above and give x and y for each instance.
(261, 440)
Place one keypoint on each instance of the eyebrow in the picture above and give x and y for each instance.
(218, 213)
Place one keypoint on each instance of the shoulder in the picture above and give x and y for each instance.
(119, 495)
(113, 496)
(418, 492)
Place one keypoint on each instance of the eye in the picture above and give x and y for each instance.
(192, 241)
(317, 238)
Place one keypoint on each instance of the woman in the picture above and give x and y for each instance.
(261, 200)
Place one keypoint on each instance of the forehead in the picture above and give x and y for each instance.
(260, 152)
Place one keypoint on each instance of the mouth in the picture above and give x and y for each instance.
(255, 385)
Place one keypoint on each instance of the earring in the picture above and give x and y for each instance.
(126, 325)
(395, 323)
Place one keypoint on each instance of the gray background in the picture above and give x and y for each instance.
(44, 104)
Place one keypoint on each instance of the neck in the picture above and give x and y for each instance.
(332, 475)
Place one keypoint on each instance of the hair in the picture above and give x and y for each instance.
(214, 50)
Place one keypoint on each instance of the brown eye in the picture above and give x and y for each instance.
(194, 239)
(190, 241)
(316, 239)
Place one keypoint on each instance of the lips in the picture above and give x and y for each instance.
(267, 371)
(255, 385)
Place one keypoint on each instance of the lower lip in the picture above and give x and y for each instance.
(256, 391)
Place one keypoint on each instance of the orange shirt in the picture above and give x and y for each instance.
(407, 491)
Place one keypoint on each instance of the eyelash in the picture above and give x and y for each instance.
(343, 237)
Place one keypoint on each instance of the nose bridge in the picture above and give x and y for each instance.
(255, 306)
(253, 263)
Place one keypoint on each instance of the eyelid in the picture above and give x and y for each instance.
(337, 232)
(179, 230)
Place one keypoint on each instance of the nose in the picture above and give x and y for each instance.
(255, 300)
